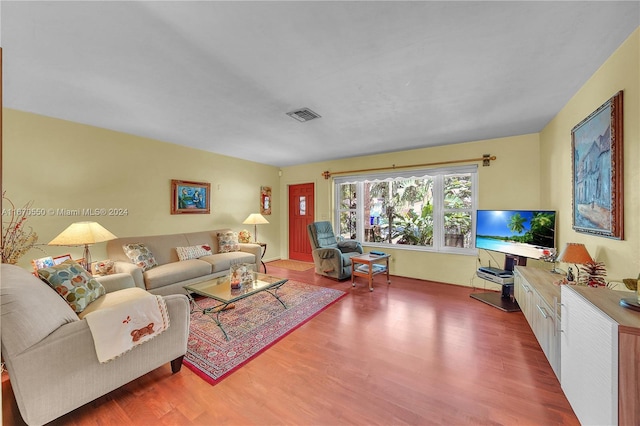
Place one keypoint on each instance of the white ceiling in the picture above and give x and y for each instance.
(384, 76)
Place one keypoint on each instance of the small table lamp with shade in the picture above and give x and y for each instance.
(83, 233)
(575, 253)
(255, 219)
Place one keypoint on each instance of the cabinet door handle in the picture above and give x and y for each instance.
(556, 326)
(526, 287)
(543, 311)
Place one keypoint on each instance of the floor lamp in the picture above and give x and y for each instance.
(255, 219)
(83, 234)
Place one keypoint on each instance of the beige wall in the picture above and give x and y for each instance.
(620, 72)
(512, 181)
(65, 165)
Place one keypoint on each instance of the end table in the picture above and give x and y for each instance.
(367, 268)
(264, 250)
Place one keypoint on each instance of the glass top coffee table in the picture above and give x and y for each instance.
(220, 290)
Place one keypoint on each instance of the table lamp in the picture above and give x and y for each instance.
(255, 219)
(575, 253)
(83, 233)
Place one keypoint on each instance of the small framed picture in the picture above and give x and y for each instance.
(43, 262)
(59, 259)
(265, 200)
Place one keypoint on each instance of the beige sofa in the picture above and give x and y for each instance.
(172, 274)
(50, 354)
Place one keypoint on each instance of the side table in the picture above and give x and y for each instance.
(264, 250)
(369, 265)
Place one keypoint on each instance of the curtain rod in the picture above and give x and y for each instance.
(486, 161)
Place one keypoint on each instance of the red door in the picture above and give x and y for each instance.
(301, 207)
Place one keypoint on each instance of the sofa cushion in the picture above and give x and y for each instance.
(76, 286)
(174, 272)
(228, 242)
(222, 261)
(140, 255)
(31, 310)
(193, 252)
(208, 238)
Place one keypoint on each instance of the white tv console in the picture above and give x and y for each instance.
(591, 342)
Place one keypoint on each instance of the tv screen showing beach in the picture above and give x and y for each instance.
(527, 233)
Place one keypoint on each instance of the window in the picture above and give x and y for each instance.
(420, 209)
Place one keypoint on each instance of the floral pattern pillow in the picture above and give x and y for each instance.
(103, 267)
(228, 242)
(193, 252)
(76, 286)
(140, 255)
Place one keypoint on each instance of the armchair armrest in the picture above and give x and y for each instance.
(349, 246)
(327, 253)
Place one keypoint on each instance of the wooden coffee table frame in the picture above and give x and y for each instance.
(369, 260)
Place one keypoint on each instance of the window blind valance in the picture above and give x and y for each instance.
(405, 174)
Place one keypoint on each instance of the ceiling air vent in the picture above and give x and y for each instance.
(303, 114)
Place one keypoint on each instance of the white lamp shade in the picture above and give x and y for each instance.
(81, 233)
(255, 219)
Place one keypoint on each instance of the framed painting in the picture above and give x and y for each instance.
(190, 197)
(265, 200)
(59, 259)
(43, 262)
(597, 157)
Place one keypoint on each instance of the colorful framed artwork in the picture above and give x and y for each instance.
(265, 200)
(190, 197)
(43, 262)
(597, 157)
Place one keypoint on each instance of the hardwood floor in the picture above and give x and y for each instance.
(414, 352)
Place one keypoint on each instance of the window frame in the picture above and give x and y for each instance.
(439, 210)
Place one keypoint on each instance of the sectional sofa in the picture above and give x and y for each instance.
(164, 264)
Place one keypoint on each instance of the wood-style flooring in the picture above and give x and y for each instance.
(415, 352)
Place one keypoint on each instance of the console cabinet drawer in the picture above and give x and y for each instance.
(543, 315)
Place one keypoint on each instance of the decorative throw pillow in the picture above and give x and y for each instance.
(73, 283)
(103, 267)
(228, 242)
(244, 236)
(193, 252)
(140, 255)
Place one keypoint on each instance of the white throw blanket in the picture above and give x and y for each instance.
(124, 319)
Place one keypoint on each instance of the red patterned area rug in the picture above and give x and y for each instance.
(254, 325)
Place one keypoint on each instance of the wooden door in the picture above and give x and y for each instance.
(301, 208)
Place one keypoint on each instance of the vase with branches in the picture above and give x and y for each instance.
(17, 237)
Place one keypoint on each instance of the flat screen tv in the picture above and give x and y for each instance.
(524, 233)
